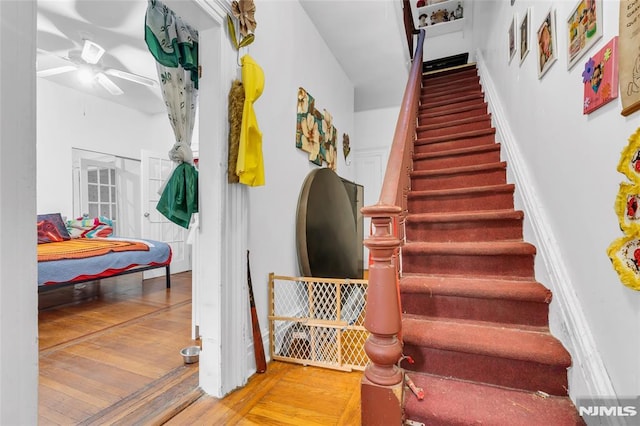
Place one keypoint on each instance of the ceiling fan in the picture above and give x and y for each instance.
(87, 64)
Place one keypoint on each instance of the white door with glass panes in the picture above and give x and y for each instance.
(156, 168)
(99, 190)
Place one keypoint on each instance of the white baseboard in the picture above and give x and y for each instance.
(588, 372)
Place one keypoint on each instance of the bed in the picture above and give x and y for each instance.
(83, 250)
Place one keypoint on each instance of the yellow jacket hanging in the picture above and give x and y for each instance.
(250, 166)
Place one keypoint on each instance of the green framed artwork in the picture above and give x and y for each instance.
(315, 132)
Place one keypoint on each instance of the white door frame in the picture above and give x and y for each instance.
(219, 270)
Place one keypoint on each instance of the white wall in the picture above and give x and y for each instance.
(18, 298)
(69, 119)
(374, 130)
(571, 159)
(292, 54)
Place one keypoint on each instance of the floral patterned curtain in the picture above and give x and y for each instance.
(174, 45)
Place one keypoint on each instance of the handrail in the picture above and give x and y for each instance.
(382, 384)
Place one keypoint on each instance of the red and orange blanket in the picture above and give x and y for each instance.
(81, 248)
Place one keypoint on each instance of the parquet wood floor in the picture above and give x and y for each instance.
(109, 354)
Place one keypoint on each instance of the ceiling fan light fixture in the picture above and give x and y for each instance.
(86, 75)
(91, 52)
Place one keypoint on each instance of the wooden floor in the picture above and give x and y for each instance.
(109, 354)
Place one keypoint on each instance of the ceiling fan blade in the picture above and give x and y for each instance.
(109, 85)
(91, 52)
(55, 71)
(135, 78)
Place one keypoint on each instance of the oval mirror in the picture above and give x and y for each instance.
(326, 234)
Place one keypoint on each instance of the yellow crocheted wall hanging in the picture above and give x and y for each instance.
(624, 252)
(625, 256)
(629, 164)
(628, 208)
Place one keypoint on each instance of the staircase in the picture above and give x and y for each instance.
(475, 321)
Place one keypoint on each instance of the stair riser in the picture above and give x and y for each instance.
(425, 120)
(459, 180)
(451, 95)
(462, 202)
(445, 161)
(490, 266)
(477, 309)
(453, 130)
(446, 145)
(509, 373)
(463, 87)
(448, 106)
(465, 231)
(450, 80)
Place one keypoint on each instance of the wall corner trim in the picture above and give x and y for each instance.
(217, 9)
(586, 358)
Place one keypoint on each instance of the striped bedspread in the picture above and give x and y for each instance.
(97, 260)
(81, 248)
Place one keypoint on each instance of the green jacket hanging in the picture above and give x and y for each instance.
(179, 200)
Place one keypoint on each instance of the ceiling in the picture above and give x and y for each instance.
(366, 37)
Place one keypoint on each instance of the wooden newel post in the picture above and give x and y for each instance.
(382, 384)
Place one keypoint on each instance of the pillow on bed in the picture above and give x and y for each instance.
(95, 227)
(51, 228)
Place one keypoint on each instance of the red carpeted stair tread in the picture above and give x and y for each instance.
(476, 215)
(460, 169)
(461, 135)
(454, 123)
(453, 192)
(457, 151)
(432, 85)
(506, 301)
(488, 340)
(484, 248)
(440, 76)
(425, 114)
(520, 290)
(454, 402)
(450, 90)
(448, 102)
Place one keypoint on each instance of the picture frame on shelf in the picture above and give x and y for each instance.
(547, 46)
(584, 29)
(511, 37)
(525, 24)
(422, 20)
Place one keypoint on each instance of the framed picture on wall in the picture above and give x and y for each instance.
(600, 77)
(547, 45)
(512, 38)
(524, 35)
(584, 29)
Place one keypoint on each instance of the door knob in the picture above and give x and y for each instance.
(146, 214)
